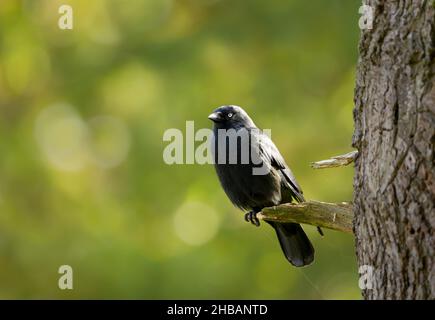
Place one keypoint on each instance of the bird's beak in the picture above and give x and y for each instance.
(216, 117)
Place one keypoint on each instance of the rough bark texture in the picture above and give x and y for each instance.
(395, 135)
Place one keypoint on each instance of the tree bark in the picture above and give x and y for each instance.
(394, 187)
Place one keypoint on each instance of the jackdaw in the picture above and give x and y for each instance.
(271, 185)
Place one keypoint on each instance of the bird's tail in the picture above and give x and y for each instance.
(294, 243)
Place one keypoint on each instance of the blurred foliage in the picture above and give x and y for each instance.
(82, 114)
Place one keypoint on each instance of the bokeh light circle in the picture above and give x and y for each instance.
(196, 223)
(60, 133)
(108, 141)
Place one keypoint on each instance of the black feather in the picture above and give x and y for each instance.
(254, 192)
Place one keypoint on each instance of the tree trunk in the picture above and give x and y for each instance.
(395, 134)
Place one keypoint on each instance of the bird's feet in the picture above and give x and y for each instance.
(251, 217)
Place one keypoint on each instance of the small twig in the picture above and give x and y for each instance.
(337, 161)
(336, 216)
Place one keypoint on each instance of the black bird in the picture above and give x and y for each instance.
(253, 192)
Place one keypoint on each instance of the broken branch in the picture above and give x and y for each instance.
(337, 161)
(335, 216)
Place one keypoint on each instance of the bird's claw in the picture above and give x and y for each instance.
(251, 217)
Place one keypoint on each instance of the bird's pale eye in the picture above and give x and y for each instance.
(230, 115)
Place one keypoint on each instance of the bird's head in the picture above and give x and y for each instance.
(231, 117)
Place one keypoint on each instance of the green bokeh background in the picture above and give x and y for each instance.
(82, 116)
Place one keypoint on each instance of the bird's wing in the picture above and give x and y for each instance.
(274, 157)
